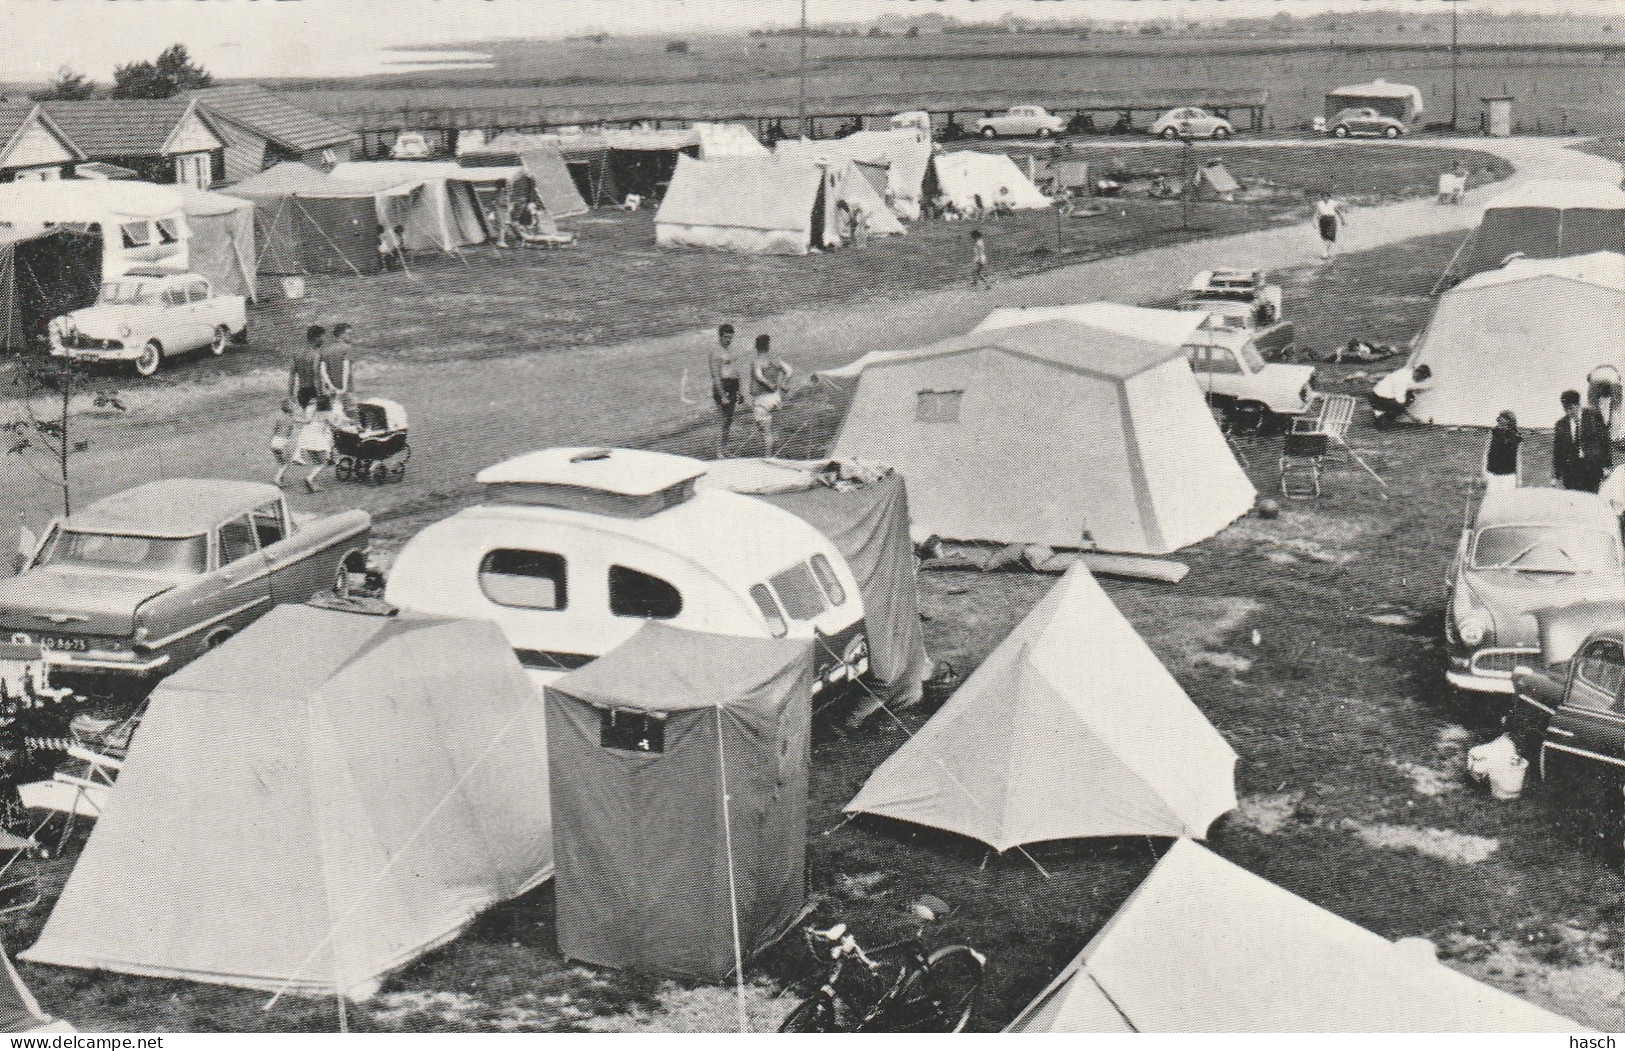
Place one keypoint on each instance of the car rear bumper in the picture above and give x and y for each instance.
(1479, 683)
(97, 661)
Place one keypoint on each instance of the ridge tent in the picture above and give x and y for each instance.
(763, 207)
(966, 175)
(140, 224)
(722, 141)
(19, 1011)
(222, 241)
(44, 274)
(308, 222)
(1548, 219)
(436, 201)
(868, 523)
(909, 176)
(679, 768)
(1070, 729)
(309, 824)
(1213, 179)
(1204, 946)
(1057, 432)
(1400, 101)
(1517, 337)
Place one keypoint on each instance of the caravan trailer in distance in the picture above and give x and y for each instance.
(577, 548)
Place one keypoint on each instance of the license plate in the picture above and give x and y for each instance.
(63, 643)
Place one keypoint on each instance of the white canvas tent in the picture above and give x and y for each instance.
(308, 824)
(142, 224)
(1204, 946)
(765, 207)
(221, 246)
(906, 155)
(1055, 432)
(725, 141)
(1070, 729)
(434, 200)
(845, 183)
(1517, 337)
(966, 175)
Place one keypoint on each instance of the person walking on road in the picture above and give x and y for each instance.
(1329, 215)
(769, 378)
(1581, 454)
(308, 368)
(978, 260)
(725, 390)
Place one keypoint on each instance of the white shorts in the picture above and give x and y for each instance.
(765, 405)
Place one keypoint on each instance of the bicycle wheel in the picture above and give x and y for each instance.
(815, 1014)
(940, 998)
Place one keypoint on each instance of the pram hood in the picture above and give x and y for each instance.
(393, 412)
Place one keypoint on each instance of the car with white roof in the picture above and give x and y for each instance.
(1021, 120)
(1191, 122)
(148, 316)
(1235, 378)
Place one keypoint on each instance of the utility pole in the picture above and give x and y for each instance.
(1455, 63)
(801, 89)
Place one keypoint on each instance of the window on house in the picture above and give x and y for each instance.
(636, 594)
(524, 579)
(937, 406)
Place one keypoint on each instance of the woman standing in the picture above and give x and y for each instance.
(1329, 215)
(1503, 456)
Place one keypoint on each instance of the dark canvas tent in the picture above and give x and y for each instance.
(679, 771)
(1548, 219)
(868, 524)
(44, 274)
(308, 222)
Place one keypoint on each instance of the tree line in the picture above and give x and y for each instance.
(172, 73)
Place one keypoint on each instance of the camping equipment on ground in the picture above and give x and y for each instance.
(307, 222)
(43, 275)
(1498, 763)
(679, 773)
(1307, 441)
(1517, 337)
(19, 1011)
(377, 451)
(1060, 433)
(379, 781)
(1452, 187)
(1544, 219)
(867, 519)
(221, 247)
(1070, 729)
(141, 225)
(1204, 946)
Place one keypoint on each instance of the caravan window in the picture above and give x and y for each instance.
(136, 235)
(769, 609)
(635, 594)
(169, 231)
(798, 592)
(937, 406)
(524, 579)
(826, 576)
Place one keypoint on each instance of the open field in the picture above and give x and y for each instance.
(1351, 774)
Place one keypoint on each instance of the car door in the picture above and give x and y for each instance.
(295, 573)
(1023, 121)
(201, 318)
(1591, 721)
(173, 327)
(238, 592)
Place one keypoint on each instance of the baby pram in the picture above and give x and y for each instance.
(377, 451)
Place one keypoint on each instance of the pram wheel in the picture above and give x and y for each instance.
(398, 470)
(378, 473)
(344, 469)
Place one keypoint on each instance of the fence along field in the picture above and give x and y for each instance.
(1562, 86)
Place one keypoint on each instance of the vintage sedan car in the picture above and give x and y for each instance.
(1021, 120)
(1191, 122)
(1574, 707)
(144, 581)
(1244, 299)
(1528, 549)
(147, 316)
(1363, 120)
(1235, 378)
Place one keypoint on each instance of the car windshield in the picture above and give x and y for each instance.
(1545, 549)
(125, 552)
(126, 292)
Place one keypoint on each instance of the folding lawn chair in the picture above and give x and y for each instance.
(1306, 444)
(545, 234)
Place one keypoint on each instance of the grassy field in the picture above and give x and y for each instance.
(1351, 775)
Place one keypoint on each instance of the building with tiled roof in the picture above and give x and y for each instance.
(263, 129)
(164, 140)
(32, 146)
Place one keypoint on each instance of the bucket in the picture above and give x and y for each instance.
(293, 287)
(1506, 781)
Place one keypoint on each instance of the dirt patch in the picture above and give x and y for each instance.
(1443, 844)
(1584, 985)
(1233, 663)
(396, 1010)
(1429, 780)
(706, 1009)
(1269, 814)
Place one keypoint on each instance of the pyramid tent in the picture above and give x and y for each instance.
(966, 175)
(1059, 433)
(19, 1011)
(309, 824)
(551, 182)
(1070, 729)
(905, 153)
(1517, 337)
(846, 183)
(222, 242)
(1548, 219)
(1204, 946)
(764, 207)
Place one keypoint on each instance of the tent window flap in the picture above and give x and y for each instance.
(937, 406)
(630, 731)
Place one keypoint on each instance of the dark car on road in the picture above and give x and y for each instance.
(1573, 708)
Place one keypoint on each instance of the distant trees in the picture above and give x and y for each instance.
(172, 73)
(67, 87)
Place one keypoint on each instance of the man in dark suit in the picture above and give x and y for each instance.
(1580, 450)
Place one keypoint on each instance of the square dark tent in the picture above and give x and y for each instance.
(43, 275)
(646, 747)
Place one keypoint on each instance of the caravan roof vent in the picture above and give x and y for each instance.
(627, 483)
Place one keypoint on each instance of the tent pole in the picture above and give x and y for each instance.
(733, 885)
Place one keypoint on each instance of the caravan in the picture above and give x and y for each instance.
(578, 548)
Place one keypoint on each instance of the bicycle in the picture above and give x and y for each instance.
(928, 992)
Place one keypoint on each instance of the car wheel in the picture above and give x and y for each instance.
(1044, 133)
(222, 336)
(1391, 132)
(1341, 131)
(1170, 133)
(990, 133)
(1221, 132)
(152, 357)
(216, 639)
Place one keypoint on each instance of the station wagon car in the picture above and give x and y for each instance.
(146, 580)
(1574, 707)
(148, 316)
(1021, 120)
(1363, 120)
(1192, 122)
(1529, 549)
(1251, 392)
(1243, 299)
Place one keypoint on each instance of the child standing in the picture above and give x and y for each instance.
(978, 261)
(316, 441)
(1503, 456)
(284, 432)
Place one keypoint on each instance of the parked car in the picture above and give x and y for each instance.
(1244, 299)
(1192, 122)
(1365, 121)
(148, 316)
(410, 146)
(576, 548)
(1021, 120)
(913, 120)
(1253, 393)
(1574, 707)
(144, 581)
(1528, 549)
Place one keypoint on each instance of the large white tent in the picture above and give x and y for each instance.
(905, 153)
(221, 246)
(1072, 728)
(1060, 433)
(320, 800)
(1204, 946)
(434, 200)
(1517, 337)
(967, 175)
(761, 206)
(142, 224)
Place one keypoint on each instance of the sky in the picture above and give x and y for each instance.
(292, 38)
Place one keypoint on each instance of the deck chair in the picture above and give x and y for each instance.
(1308, 441)
(82, 787)
(545, 234)
(1452, 188)
(19, 890)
